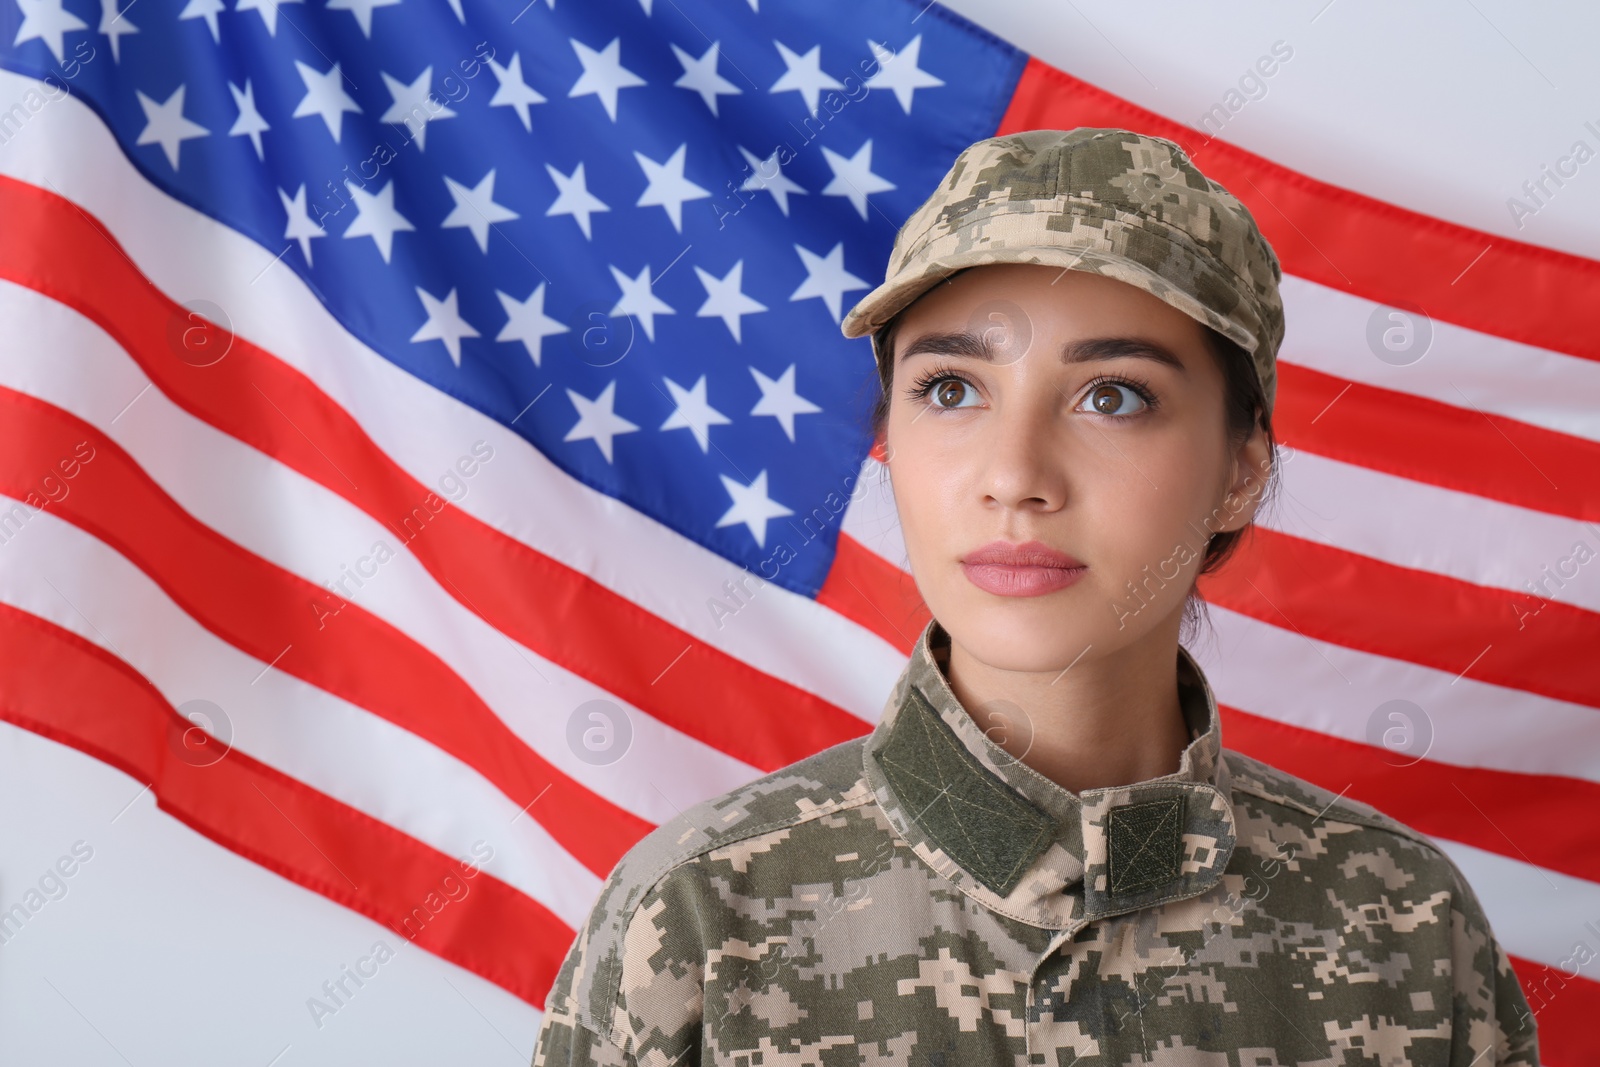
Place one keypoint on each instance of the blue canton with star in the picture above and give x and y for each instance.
(625, 229)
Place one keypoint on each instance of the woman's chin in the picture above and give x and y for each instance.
(1025, 636)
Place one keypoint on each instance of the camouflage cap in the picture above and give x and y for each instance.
(1108, 201)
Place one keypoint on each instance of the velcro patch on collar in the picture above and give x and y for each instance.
(973, 816)
(1144, 844)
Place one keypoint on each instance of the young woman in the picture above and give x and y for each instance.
(1042, 854)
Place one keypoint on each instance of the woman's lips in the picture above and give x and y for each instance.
(1031, 568)
(1003, 580)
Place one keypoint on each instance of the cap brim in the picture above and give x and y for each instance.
(875, 309)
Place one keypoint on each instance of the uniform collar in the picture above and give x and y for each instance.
(1021, 844)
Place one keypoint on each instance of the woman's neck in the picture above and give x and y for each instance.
(1105, 721)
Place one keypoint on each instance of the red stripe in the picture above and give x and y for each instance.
(51, 246)
(1354, 243)
(1492, 635)
(57, 684)
(1440, 444)
(279, 618)
(1512, 815)
(1565, 1005)
(874, 594)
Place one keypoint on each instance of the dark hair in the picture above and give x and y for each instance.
(1245, 405)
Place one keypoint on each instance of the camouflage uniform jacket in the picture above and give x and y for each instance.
(918, 896)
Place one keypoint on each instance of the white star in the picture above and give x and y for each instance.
(49, 21)
(603, 74)
(325, 96)
(249, 123)
(766, 174)
(376, 217)
(899, 71)
(301, 227)
(596, 419)
(700, 76)
(853, 177)
(668, 187)
(527, 322)
(693, 413)
(804, 75)
(513, 91)
(827, 278)
(779, 400)
(362, 10)
(573, 197)
(476, 210)
(166, 126)
(461, 16)
(751, 506)
(268, 10)
(638, 299)
(205, 9)
(724, 300)
(415, 105)
(444, 323)
(115, 25)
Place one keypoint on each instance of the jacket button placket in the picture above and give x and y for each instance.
(1049, 990)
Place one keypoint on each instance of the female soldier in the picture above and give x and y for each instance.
(1042, 854)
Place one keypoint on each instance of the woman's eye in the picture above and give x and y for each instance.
(1113, 398)
(950, 392)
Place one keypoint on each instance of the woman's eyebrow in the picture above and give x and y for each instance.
(970, 345)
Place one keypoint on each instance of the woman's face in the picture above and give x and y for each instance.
(1070, 435)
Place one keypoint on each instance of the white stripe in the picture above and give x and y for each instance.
(1538, 914)
(1276, 673)
(1326, 330)
(314, 533)
(54, 570)
(1442, 531)
(190, 256)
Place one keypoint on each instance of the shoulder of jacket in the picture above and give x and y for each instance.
(1291, 794)
(825, 783)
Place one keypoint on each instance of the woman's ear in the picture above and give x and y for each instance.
(1252, 466)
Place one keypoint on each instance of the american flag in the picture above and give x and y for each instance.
(430, 454)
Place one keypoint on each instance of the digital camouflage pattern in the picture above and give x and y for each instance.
(1106, 201)
(1225, 915)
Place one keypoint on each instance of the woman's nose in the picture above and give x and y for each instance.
(1021, 459)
